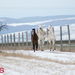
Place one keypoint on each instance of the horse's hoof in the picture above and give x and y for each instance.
(34, 50)
(42, 50)
(50, 49)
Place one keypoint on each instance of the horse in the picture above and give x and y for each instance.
(34, 39)
(51, 38)
(41, 35)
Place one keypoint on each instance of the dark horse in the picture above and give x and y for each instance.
(34, 39)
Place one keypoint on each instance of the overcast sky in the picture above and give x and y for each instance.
(30, 8)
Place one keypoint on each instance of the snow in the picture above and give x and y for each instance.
(65, 57)
(41, 63)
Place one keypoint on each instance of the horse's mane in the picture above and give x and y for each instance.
(43, 31)
(51, 30)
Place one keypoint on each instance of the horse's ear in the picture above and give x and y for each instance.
(39, 25)
(48, 27)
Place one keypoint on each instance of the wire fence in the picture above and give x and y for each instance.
(22, 40)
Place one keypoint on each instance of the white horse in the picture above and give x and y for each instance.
(51, 38)
(41, 35)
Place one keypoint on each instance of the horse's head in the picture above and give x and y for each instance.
(33, 31)
(50, 28)
(39, 26)
(40, 29)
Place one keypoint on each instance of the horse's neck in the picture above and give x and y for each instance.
(41, 31)
(51, 32)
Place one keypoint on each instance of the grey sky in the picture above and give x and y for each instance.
(28, 8)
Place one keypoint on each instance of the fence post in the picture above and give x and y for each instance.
(22, 40)
(14, 40)
(2, 41)
(5, 40)
(19, 40)
(69, 38)
(53, 29)
(11, 40)
(31, 41)
(27, 39)
(61, 36)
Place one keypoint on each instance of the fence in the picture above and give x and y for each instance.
(66, 45)
(22, 40)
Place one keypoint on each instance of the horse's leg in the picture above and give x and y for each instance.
(39, 44)
(42, 44)
(50, 45)
(53, 45)
(34, 47)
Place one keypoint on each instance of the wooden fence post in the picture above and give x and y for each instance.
(19, 40)
(22, 40)
(69, 38)
(53, 29)
(14, 40)
(37, 30)
(2, 41)
(61, 36)
(11, 40)
(27, 40)
(31, 41)
(5, 40)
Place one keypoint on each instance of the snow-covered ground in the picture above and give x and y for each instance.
(38, 63)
